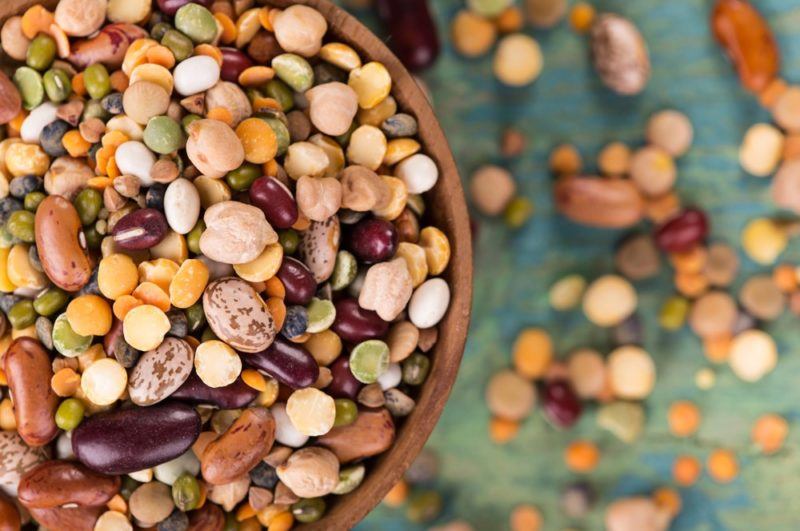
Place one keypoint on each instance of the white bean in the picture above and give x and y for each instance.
(182, 205)
(429, 303)
(196, 74)
(285, 432)
(37, 120)
(134, 158)
(419, 172)
(392, 377)
(171, 470)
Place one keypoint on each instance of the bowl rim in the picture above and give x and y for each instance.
(386, 469)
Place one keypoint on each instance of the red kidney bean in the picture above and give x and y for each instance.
(289, 363)
(127, 440)
(355, 324)
(28, 370)
(343, 383)
(234, 62)
(413, 32)
(141, 229)
(298, 281)
(407, 226)
(272, 197)
(170, 7)
(208, 518)
(681, 233)
(68, 518)
(115, 345)
(56, 483)
(561, 405)
(9, 515)
(373, 240)
(233, 396)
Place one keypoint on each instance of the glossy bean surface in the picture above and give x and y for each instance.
(233, 396)
(57, 483)
(343, 383)
(373, 240)
(141, 229)
(275, 200)
(298, 281)
(289, 363)
(683, 232)
(354, 324)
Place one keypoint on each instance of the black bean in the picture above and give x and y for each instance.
(51, 136)
(155, 196)
(179, 324)
(19, 187)
(263, 475)
(113, 103)
(295, 323)
(177, 521)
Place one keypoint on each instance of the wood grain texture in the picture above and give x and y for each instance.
(448, 211)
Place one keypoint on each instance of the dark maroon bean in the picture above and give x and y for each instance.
(561, 405)
(170, 7)
(127, 440)
(413, 33)
(57, 483)
(233, 396)
(373, 240)
(234, 62)
(681, 233)
(298, 281)
(272, 197)
(343, 383)
(141, 229)
(289, 363)
(355, 324)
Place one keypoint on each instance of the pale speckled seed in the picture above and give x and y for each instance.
(160, 372)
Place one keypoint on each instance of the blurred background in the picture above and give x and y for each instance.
(475, 475)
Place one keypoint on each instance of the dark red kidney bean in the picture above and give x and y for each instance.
(233, 396)
(298, 281)
(234, 62)
(127, 440)
(170, 7)
(141, 229)
(29, 370)
(561, 405)
(208, 518)
(373, 240)
(413, 32)
(115, 345)
(68, 518)
(57, 483)
(681, 233)
(343, 383)
(275, 200)
(354, 324)
(289, 363)
(9, 515)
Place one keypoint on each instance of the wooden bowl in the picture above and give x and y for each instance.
(448, 211)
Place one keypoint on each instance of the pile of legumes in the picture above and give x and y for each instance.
(218, 285)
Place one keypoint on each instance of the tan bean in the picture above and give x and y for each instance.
(318, 198)
(599, 202)
(29, 371)
(57, 239)
(310, 472)
(371, 434)
(214, 148)
(56, 483)
(240, 448)
(363, 189)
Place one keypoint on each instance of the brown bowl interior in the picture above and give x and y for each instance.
(448, 212)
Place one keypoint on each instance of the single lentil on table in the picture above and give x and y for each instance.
(162, 194)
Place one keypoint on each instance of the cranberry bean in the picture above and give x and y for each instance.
(243, 445)
(127, 440)
(413, 32)
(68, 518)
(289, 363)
(343, 383)
(233, 396)
(561, 405)
(28, 370)
(9, 515)
(141, 229)
(684, 231)
(355, 324)
(373, 240)
(57, 483)
(272, 196)
(234, 63)
(170, 7)
(208, 518)
(298, 281)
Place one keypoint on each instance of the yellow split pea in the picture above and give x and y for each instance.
(144, 327)
(89, 315)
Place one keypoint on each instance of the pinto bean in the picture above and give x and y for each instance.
(107, 47)
(64, 259)
(29, 371)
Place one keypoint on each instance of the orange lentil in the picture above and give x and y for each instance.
(668, 499)
(581, 17)
(510, 20)
(78, 85)
(101, 159)
(270, 168)
(769, 433)
(691, 285)
(282, 522)
(3, 377)
(220, 113)
(264, 19)
(301, 338)
(228, 26)
(244, 512)
(36, 20)
(717, 349)
(65, 382)
(262, 103)
(397, 495)
(124, 304)
(74, 143)
(690, 261)
(275, 288)
(160, 55)
(117, 503)
(151, 293)
(99, 182)
(526, 518)
(723, 466)
(15, 125)
(683, 418)
(785, 277)
(255, 76)
(209, 50)
(502, 431)
(582, 456)
(686, 470)
(533, 353)
(277, 309)
(565, 160)
(119, 81)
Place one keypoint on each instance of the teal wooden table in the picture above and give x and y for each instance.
(482, 482)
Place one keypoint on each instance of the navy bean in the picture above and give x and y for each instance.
(289, 363)
(127, 440)
(233, 396)
(298, 281)
(354, 324)
(141, 229)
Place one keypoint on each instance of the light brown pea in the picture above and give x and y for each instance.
(144, 100)
(318, 198)
(214, 148)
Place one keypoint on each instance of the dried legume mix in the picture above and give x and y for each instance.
(218, 285)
